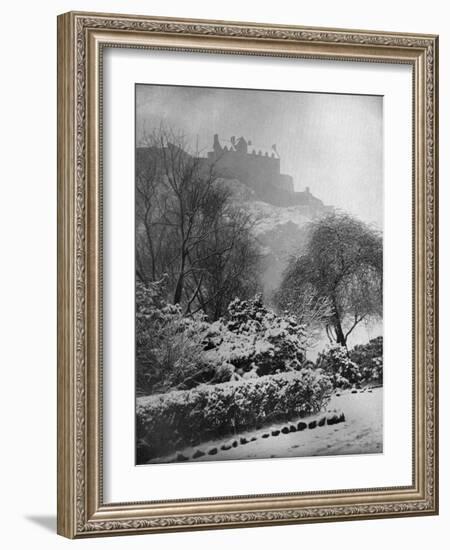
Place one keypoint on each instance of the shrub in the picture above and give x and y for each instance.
(369, 358)
(256, 341)
(178, 352)
(171, 421)
(167, 343)
(335, 362)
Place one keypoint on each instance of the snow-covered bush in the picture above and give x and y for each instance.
(335, 362)
(369, 358)
(170, 421)
(168, 344)
(175, 351)
(272, 343)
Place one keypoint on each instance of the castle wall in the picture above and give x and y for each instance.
(260, 172)
(286, 182)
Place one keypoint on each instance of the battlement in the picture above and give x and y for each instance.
(255, 166)
(241, 146)
(258, 168)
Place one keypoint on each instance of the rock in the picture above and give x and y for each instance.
(338, 395)
(212, 451)
(322, 421)
(226, 447)
(341, 417)
(333, 419)
(181, 457)
(275, 432)
(292, 428)
(234, 443)
(312, 424)
(265, 435)
(243, 440)
(198, 453)
(285, 430)
(301, 426)
(354, 391)
(254, 438)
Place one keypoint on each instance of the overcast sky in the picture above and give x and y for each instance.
(329, 142)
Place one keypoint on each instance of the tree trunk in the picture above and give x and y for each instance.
(340, 336)
(180, 281)
(178, 289)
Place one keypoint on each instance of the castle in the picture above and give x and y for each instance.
(257, 168)
(260, 170)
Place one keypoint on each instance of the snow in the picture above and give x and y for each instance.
(363, 333)
(361, 433)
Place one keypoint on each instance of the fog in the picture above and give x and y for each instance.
(332, 143)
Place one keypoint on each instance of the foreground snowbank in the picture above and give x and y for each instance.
(361, 433)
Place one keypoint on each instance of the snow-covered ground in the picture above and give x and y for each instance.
(362, 333)
(361, 433)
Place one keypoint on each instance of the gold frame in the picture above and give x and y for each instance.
(81, 37)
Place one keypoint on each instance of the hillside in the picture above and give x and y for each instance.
(280, 230)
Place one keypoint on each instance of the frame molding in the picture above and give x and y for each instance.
(81, 37)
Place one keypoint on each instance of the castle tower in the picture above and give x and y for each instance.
(241, 145)
(217, 148)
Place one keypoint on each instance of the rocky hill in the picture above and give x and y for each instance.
(280, 230)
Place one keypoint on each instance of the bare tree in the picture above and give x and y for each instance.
(231, 272)
(342, 263)
(188, 226)
(309, 309)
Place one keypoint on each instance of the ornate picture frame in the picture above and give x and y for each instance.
(82, 40)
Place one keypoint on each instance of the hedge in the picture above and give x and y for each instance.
(167, 422)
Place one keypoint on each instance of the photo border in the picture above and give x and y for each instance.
(240, 89)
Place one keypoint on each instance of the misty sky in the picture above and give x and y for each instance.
(329, 142)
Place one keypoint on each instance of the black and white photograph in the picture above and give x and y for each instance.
(258, 274)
